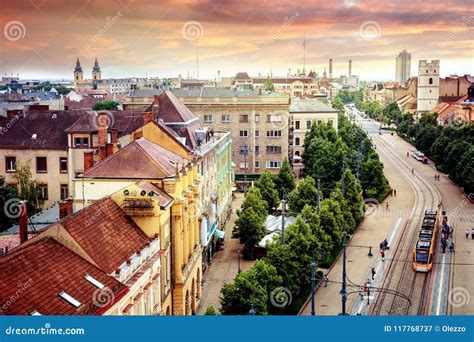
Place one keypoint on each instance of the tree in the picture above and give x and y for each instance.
(373, 181)
(210, 311)
(324, 243)
(28, 189)
(305, 193)
(6, 193)
(352, 195)
(106, 105)
(331, 219)
(249, 226)
(267, 190)
(251, 288)
(268, 85)
(284, 180)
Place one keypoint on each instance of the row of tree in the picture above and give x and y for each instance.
(451, 148)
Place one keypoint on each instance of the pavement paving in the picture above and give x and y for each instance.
(225, 264)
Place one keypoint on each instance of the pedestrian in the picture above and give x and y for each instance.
(373, 273)
(385, 244)
(472, 234)
(467, 233)
(382, 254)
(412, 171)
(408, 154)
(451, 246)
(381, 246)
(443, 244)
(451, 231)
(386, 207)
(391, 192)
(326, 280)
(395, 192)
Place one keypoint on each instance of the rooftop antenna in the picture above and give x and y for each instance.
(304, 54)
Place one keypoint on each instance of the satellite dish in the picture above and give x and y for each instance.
(151, 193)
(143, 193)
(126, 192)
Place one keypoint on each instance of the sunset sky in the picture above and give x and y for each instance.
(42, 38)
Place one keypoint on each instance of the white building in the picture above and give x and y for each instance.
(403, 65)
(428, 85)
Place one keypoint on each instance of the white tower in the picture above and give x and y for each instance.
(428, 85)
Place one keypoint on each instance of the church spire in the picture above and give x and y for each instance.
(78, 67)
(96, 65)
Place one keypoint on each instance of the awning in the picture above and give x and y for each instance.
(219, 233)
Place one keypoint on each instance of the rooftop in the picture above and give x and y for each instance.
(310, 106)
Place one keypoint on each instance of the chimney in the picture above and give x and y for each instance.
(109, 150)
(114, 136)
(88, 160)
(12, 113)
(102, 129)
(65, 208)
(330, 68)
(350, 68)
(147, 117)
(102, 152)
(23, 222)
(470, 93)
(156, 100)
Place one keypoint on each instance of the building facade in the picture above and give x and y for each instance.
(428, 85)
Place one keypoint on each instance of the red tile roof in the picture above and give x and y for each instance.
(141, 159)
(33, 277)
(105, 234)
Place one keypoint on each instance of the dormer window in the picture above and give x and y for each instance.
(81, 142)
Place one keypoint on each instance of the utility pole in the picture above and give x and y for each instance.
(245, 174)
(358, 163)
(344, 289)
(283, 209)
(343, 174)
(319, 195)
(313, 281)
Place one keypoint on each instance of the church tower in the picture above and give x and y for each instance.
(428, 85)
(96, 73)
(78, 74)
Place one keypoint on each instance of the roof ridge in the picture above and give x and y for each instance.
(162, 169)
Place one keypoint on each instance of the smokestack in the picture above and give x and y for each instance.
(23, 222)
(102, 129)
(350, 68)
(218, 75)
(330, 68)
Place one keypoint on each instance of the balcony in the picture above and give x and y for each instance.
(138, 206)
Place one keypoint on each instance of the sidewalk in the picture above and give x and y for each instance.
(224, 266)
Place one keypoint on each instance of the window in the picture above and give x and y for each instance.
(308, 124)
(64, 191)
(243, 118)
(273, 118)
(207, 118)
(257, 164)
(320, 122)
(10, 164)
(41, 165)
(225, 118)
(273, 149)
(63, 164)
(244, 133)
(257, 117)
(257, 149)
(430, 81)
(330, 122)
(70, 299)
(81, 142)
(297, 125)
(257, 133)
(297, 141)
(43, 191)
(273, 134)
(94, 281)
(244, 149)
(273, 164)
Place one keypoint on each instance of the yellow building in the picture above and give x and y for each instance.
(176, 176)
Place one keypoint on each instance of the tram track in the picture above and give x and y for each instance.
(416, 283)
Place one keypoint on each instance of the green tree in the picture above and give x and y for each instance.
(332, 219)
(305, 193)
(105, 105)
(324, 243)
(6, 193)
(267, 190)
(284, 180)
(210, 311)
(28, 189)
(249, 226)
(352, 195)
(268, 85)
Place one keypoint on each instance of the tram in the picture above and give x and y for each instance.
(423, 253)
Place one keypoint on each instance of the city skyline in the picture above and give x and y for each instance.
(43, 40)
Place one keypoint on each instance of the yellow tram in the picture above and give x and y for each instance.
(425, 247)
